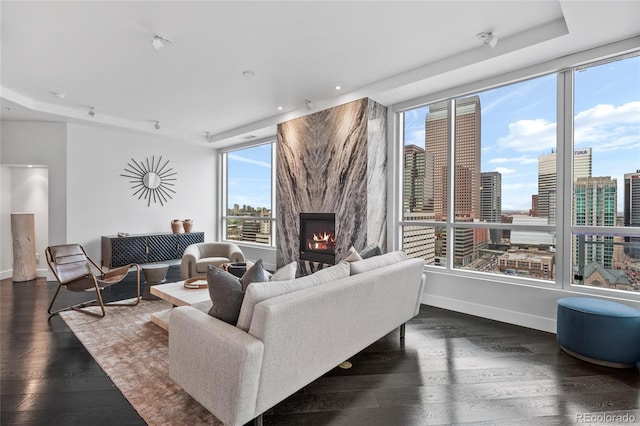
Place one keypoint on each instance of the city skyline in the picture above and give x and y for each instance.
(519, 125)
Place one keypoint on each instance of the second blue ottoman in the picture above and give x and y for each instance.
(599, 331)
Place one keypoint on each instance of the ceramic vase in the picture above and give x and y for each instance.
(188, 225)
(176, 226)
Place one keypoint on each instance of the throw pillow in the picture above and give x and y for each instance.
(227, 291)
(352, 255)
(287, 272)
(370, 251)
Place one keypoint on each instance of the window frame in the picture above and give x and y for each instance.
(563, 227)
(223, 195)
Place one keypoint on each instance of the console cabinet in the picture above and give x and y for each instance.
(146, 248)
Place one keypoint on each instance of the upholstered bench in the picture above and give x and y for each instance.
(599, 331)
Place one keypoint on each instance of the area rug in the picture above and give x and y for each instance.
(134, 353)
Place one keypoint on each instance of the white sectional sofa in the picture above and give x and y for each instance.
(292, 338)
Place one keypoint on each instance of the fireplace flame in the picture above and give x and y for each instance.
(322, 241)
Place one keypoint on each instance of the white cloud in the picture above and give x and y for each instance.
(259, 163)
(607, 127)
(518, 160)
(603, 127)
(514, 94)
(530, 135)
(504, 170)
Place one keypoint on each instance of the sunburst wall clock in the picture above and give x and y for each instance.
(151, 180)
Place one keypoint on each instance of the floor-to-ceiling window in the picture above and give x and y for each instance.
(247, 174)
(499, 157)
(606, 174)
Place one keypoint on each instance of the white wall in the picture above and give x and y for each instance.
(524, 305)
(87, 196)
(100, 199)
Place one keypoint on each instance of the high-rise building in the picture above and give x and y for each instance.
(594, 204)
(467, 167)
(632, 211)
(467, 156)
(491, 201)
(418, 180)
(250, 230)
(418, 241)
(547, 181)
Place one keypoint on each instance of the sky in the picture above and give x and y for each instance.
(519, 124)
(249, 177)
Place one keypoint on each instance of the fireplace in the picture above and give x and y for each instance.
(318, 237)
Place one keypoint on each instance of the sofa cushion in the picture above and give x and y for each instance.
(377, 262)
(227, 291)
(257, 292)
(287, 272)
(370, 251)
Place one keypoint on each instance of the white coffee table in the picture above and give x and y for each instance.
(177, 295)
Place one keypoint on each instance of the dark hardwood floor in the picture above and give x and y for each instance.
(452, 369)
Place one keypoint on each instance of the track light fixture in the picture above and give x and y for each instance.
(308, 104)
(158, 41)
(488, 38)
(157, 125)
(208, 136)
(92, 111)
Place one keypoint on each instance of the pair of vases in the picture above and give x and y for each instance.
(179, 226)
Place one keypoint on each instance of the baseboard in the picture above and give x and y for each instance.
(39, 273)
(491, 312)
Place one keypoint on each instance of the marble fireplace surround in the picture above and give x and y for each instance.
(333, 161)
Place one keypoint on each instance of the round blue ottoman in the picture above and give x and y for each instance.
(599, 331)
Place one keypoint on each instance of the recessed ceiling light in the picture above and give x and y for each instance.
(248, 73)
(280, 108)
(158, 41)
(338, 87)
(488, 38)
(59, 95)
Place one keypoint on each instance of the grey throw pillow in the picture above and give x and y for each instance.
(227, 291)
(370, 251)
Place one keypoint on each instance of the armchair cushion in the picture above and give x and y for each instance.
(197, 257)
(202, 265)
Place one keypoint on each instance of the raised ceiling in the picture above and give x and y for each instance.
(100, 54)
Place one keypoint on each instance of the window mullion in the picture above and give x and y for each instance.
(451, 128)
(564, 177)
